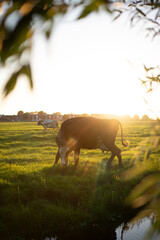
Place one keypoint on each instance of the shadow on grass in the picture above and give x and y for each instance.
(70, 203)
(82, 169)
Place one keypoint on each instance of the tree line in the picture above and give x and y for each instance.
(35, 116)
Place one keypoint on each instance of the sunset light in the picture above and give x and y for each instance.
(79, 119)
(93, 65)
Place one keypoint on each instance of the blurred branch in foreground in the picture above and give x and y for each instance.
(18, 23)
(146, 166)
(152, 78)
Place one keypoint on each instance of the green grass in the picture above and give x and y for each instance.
(38, 199)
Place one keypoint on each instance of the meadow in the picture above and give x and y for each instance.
(39, 200)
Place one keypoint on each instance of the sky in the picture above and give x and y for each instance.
(92, 65)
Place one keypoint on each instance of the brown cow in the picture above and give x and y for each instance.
(88, 133)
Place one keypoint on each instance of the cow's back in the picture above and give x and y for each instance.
(85, 130)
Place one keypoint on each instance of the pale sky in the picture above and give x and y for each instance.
(88, 66)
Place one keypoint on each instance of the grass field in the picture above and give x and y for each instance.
(38, 199)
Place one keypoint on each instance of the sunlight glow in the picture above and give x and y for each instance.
(88, 66)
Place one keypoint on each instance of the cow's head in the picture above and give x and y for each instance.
(39, 122)
(62, 151)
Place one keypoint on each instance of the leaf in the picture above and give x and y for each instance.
(10, 85)
(26, 8)
(12, 42)
(142, 81)
(27, 71)
(86, 11)
(137, 195)
(148, 69)
(94, 6)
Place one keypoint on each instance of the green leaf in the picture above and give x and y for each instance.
(27, 71)
(11, 83)
(143, 81)
(14, 40)
(148, 69)
(94, 6)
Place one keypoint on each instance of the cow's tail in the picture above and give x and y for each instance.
(126, 143)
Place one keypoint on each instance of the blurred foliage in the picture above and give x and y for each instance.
(148, 12)
(145, 196)
(152, 77)
(42, 115)
(18, 23)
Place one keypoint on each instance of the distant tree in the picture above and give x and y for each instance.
(136, 117)
(57, 113)
(65, 117)
(42, 115)
(26, 116)
(20, 115)
(145, 118)
(85, 115)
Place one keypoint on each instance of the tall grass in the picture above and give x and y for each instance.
(38, 199)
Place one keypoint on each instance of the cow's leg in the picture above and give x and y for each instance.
(76, 156)
(119, 158)
(115, 152)
(57, 157)
(110, 160)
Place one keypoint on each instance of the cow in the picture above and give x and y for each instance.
(48, 123)
(101, 145)
(88, 133)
